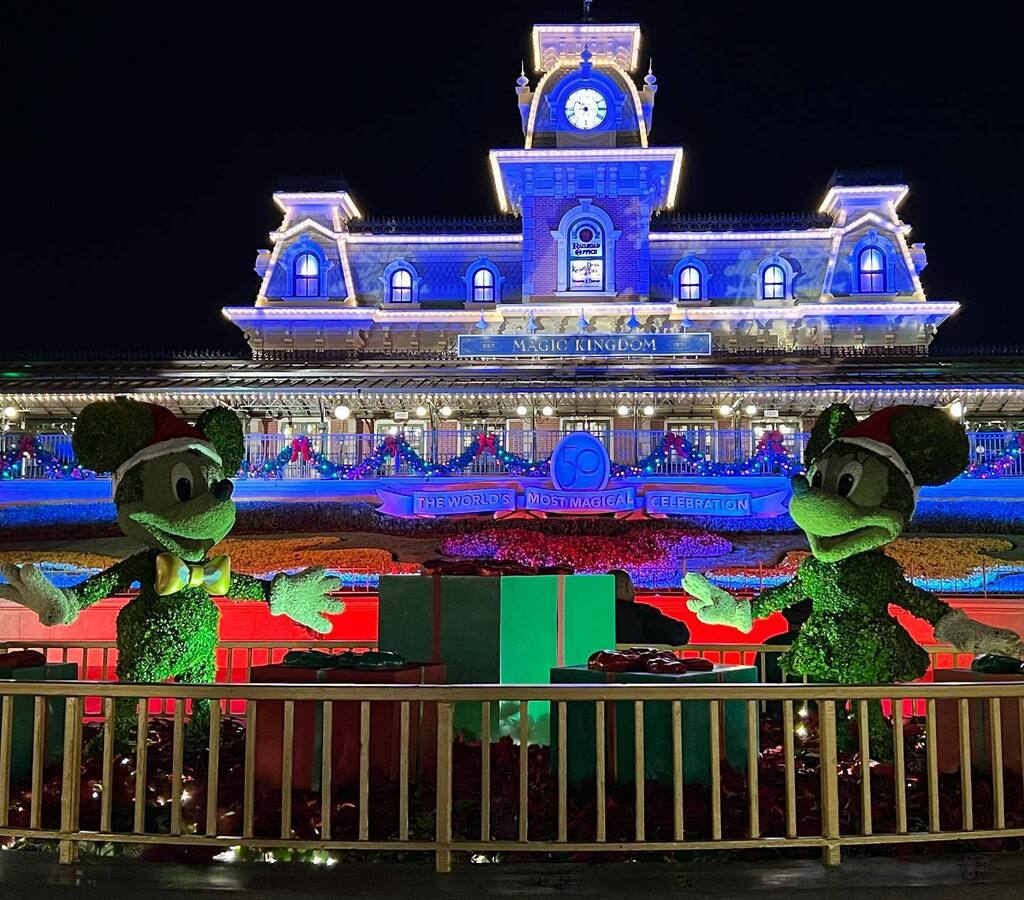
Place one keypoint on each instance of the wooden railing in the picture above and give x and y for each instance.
(741, 823)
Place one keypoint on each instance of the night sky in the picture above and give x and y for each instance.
(143, 147)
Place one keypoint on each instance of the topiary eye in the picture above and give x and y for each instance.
(181, 482)
(849, 476)
(818, 474)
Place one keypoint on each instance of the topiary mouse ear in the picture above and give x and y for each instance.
(109, 432)
(223, 429)
(832, 422)
(933, 445)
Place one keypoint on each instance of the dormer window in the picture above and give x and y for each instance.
(689, 283)
(483, 286)
(871, 271)
(773, 283)
(307, 275)
(401, 286)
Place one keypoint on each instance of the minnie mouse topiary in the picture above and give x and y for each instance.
(858, 495)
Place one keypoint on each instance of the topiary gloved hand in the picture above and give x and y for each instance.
(303, 598)
(713, 606)
(976, 637)
(29, 587)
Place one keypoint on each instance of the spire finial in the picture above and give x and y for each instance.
(650, 79)
(522, 81)
(585, 64)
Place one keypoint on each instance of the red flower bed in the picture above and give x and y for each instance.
(652, 555)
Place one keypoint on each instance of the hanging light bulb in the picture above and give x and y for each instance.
(750, 409)
(623, 410)
(956, 409)
(547, 411)
(648, 411)
(521, 410)
(342, 412)
(445, 411)
(725, 410)
(421, 412)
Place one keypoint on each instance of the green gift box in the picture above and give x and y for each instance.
(490, 629)
(24, 716)
(620, 747)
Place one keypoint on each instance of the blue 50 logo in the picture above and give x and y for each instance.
(580, 463)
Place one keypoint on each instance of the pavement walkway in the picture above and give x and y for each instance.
(38, 877)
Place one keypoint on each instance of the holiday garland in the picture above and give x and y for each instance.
(30, 449)
(769, 455)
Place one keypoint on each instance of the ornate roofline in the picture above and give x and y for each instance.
(496, 223)
(784, 221)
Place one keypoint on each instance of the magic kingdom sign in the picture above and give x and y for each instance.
(580, 473)
(690, 343)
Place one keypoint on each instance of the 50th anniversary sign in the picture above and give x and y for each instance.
(580, 471)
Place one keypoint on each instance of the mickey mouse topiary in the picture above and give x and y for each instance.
(172, 496)
(858, 495)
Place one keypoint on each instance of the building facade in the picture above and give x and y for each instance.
(586, 302)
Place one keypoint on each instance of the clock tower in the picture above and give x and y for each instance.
(586, 181)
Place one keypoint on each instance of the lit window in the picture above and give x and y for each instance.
(773, 283)
(401, 286)
(689, 283)
(307, 275)
(586, 257)
(483, 286)
(872, 271)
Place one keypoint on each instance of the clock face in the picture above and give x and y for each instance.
(585, 109)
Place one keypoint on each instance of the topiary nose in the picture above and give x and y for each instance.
(222, 489)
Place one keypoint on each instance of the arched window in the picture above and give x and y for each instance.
(307, 275)
(689, 283)
(773, 283)
(871, 266)
(483, 286)
(586, 257)
(401, 286)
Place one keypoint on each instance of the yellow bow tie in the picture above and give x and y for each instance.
(173, 574)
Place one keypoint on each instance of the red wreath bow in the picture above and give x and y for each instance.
(485, 443)
(300, 447)
(674, 442)
(771, 441)
(391, 446)
(27, 446)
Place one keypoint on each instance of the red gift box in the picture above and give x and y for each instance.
(385, 727)
(947, 725)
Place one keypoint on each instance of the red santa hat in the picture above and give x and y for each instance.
(875, 434)
(170, 435)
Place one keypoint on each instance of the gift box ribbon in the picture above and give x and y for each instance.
(22, 659)
(318, 659)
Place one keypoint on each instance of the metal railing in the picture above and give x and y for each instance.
(507, 819)
(627, 447)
